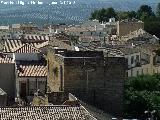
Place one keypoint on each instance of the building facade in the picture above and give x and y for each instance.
(126, 27)
(89, 76)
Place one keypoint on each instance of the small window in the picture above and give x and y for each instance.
(137, 58)
(81, 32)
(132, 59)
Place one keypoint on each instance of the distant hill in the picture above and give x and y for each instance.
(76, 12)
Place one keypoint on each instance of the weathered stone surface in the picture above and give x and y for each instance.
(97, 81)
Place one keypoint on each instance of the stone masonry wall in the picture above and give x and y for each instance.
(101, 86)
(98, 81)
(124, 28)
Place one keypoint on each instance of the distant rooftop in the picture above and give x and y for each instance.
(131, 20)
(11, 46)
(59, 44)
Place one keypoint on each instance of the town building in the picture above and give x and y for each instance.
(89, 76)
(31, 77)
(70, 109)
(125, 27)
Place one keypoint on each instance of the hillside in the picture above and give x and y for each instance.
(63, 13)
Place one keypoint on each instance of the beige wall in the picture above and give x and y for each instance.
(129, 57)
(148, 68)
(54, 67)
(124, 28)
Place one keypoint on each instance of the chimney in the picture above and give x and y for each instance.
(50, 29)
(95, 27)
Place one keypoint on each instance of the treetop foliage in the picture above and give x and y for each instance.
(103, 15)
(151, 20)
(142, 93)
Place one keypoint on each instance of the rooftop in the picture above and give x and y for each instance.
(32, 69)
(129, 50)
(59, 44)
(11, 46)
(5, 59)
(62, 112)
(36, 37)
(131, 20)
(80, 29)
(26, 48)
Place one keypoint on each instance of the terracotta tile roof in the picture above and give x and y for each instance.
(37, 37)
(26, 48)
(62, 36)
(30, 70)
(46, 113)
(11, 46)
(5, 59)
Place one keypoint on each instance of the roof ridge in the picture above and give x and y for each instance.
(27, 44)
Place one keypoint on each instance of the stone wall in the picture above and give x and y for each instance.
(57, 98)
(97, 84)
(125, 28)
(98, 81)
(53, 75)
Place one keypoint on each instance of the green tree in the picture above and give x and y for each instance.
(122, 15)
(127, 15)
(132, 14)
(145, 12)
(110, 13)
(142, 93)
(158, 10)
(94, 15)
(152, 26)
(103, 15)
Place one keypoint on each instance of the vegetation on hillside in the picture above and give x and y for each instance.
(142, 94)
(151, 20)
